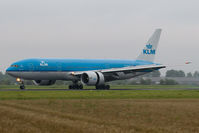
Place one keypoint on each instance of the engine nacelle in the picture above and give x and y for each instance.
(44, 82)
(92, 78)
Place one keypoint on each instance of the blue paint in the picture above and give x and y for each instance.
(70, 65)
(149, 50)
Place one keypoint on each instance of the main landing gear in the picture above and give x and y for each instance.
(21, 83)
(102, 87)
(75, 85)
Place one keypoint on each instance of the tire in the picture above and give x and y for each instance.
(97, 87)
(70, 87)
(75, 87)
(22, 87)
(78, 87)
(81, 87)
(107, 87)
(100, 87)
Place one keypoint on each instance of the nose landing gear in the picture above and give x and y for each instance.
(21, 83)
(22, 87)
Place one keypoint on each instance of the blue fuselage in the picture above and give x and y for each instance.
(60, 69)
(70, 65)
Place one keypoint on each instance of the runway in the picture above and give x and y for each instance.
(97, 90)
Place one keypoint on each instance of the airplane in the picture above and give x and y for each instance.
(91, 72)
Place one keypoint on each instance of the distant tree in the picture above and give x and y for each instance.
(181, 73)
(118, 82)
(168, 82)
(196, 74)
(171, 73)
(162, 82)
(133, 82)
(175, 73)
(189, 75)
(6, 79)
(145, 81)
(155, 73)
(1, 75)
(59, 82)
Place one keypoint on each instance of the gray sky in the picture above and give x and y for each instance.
(115, 29)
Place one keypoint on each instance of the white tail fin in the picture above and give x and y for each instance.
(149, 51)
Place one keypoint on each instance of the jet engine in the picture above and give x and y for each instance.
(93, 78)
(44, 82)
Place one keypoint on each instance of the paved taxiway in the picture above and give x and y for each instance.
(97, 90)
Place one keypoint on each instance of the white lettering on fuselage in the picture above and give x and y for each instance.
(43, 63)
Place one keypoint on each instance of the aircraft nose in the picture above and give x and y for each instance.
(8, 71)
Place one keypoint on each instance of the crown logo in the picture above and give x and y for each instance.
(149, 46)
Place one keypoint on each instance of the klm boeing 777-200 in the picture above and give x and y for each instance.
(92, 72)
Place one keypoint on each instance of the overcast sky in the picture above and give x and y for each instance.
(104, 29)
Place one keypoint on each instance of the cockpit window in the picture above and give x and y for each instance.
(14, 66)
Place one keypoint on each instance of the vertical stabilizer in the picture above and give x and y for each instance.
(149, 51)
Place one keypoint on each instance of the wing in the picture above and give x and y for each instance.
(128, 69)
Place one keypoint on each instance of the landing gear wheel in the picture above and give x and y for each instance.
(75, 86)
(97, 87)
(102, 87)
(22, 87)
(70, 87)
(21, 83)
(81, 87)
(107, 87)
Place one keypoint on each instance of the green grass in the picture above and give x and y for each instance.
(102, 94)
(138, 110)
(112, 87)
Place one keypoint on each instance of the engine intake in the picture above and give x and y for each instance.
(44, 82)
(92, 78)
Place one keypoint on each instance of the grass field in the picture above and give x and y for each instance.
(144, 111)
(101, 94)
(112, 87)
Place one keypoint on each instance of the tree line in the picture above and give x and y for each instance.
(180, 73)
(173, 73)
